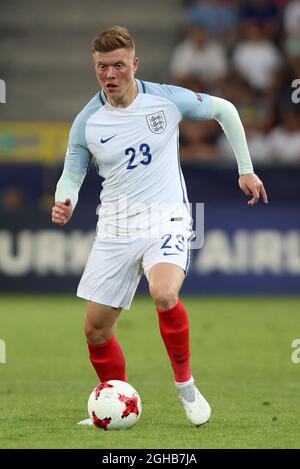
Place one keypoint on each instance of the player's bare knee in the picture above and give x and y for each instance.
(96, 335)
(97, 332)
(100, 322)
(164, 297)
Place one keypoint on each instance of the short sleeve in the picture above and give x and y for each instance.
(78, 155)
(191, 105)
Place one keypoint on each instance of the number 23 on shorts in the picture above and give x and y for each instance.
(173, 243)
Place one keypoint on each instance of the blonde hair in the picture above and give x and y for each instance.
(115, 37)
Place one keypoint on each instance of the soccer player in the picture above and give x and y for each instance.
(130, 128)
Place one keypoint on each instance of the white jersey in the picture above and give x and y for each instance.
(136, 151)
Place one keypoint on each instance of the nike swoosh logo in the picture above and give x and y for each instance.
(180, 355)
(104, 140)
(171, 254)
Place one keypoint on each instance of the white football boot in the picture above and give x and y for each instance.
(87, 422)
(196, 407)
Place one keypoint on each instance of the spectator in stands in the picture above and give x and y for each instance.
(291, 23)
(256, 57)
(259, 83)
(283, 142)
(220, 18)
(266, 13)
(199, 56)
(291, 18)
(279, 93)
(197, 141)
(292, 46)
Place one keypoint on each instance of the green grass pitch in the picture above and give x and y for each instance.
(241, 360)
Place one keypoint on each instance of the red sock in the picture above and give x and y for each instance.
(108, 360)
(174, 329)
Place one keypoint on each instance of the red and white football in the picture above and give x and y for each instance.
(114, 405)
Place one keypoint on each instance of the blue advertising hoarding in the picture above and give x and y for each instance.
(247, 250)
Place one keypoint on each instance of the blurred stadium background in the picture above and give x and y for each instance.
(246, 51)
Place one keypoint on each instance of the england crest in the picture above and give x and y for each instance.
(157, 122)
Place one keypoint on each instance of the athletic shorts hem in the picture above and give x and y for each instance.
(103, 301)
(169, 261)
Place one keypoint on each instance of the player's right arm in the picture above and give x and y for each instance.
(77, 161)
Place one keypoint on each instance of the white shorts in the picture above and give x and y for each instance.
(115, 265)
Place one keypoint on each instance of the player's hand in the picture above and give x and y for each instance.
(252, 185)
(62, 212)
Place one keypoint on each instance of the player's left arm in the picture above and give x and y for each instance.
(227, 116)
(200, 106)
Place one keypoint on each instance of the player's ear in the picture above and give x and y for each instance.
(135, 64)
